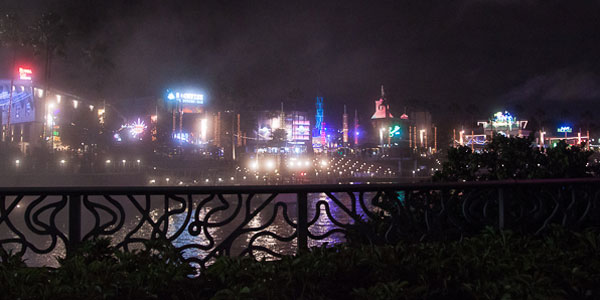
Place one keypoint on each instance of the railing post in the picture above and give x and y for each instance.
(302, 223)
(500, 208)
(74, 222)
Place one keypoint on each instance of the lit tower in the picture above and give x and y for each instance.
(382, 108)
(345, 126)
(382, 118)
(319, 117)
(355, 127)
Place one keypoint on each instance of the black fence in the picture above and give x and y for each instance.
(271, 221)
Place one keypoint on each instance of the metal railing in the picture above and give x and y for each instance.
(206, 222)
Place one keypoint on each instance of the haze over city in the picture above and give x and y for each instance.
(491, 53)
(192, 149)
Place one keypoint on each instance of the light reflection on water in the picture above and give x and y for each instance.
(133, 217)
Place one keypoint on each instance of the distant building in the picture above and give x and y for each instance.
(382, 117)
(504, 123)
(56, 120)
(284, 131)
(424, 134)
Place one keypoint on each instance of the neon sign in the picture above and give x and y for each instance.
(137, 128)
(564, 129)
(182, 137)
(394, 132)
(25, 73)
(503, 119)
(188, 98)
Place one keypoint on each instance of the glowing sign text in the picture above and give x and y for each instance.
(189, 98)
(395, 131)
(564, 129)
(25, 74)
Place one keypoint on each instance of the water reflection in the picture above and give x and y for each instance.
(198, 231)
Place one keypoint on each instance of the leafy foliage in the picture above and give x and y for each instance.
(97, 270)
(491, 265)
(515, 158)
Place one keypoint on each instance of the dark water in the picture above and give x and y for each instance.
(177, 223)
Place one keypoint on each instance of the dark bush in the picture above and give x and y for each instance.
(494, 264)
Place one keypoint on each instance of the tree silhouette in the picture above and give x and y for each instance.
(12, 36)
(279, 137)
(98, 58)
(48, 38)
(12, 33)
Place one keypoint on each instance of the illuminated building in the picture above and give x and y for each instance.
(318, 117)
(57, 120)
(284, 131)
(190, 103)
(389, 132)
(345, 127)
(356, 131)
(503, 123)
(382, 119)
(422, 129)
(564, 132)
(318, 137)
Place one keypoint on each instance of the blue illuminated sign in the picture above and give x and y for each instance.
(186, 98)
(182, 137)
(564, 129)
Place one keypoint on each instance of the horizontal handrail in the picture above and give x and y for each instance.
(291, 189)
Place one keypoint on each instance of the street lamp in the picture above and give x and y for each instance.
(50, 124)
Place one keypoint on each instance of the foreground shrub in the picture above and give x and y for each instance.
(99, 271)
(491, 265)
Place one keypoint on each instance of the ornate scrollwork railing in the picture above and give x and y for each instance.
(271, 221)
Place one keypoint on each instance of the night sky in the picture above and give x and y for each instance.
(429, 54)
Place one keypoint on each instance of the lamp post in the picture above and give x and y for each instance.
(50, 124)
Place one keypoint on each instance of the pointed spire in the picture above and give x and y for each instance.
(344, 108)
(382, 92)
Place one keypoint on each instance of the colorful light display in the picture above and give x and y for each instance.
(299, 129)
(503, 119)
(130, 131)
(319, 117)
(564, 129)
(505, 124)
(137, 128)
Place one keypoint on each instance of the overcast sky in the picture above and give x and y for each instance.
(426, 53)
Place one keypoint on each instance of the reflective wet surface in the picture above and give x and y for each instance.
(198, 231)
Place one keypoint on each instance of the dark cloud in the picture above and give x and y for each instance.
(563, 85)
(431, 52)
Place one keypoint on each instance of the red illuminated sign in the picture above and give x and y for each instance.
(25, 74)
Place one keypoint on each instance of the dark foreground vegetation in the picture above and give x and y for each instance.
(491, 265)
